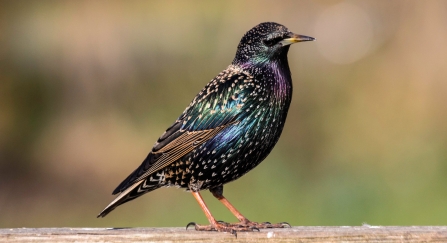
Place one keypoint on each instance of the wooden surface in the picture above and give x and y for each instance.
(294, 234)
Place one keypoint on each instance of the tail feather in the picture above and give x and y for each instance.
(133, 177)
(137, 189)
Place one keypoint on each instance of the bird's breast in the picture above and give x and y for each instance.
(261, 110)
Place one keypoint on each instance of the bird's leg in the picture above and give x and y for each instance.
(215, 225)
(218, 193)
(243, 221)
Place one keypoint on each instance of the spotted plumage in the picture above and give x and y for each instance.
(229, 127)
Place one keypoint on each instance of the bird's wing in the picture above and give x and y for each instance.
(222, 103)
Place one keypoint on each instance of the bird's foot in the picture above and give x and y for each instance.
(265, 225)
(256, 225)
(223, 227)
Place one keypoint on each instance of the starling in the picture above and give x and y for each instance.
(227, 130)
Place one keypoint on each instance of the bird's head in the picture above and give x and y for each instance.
(266, 42)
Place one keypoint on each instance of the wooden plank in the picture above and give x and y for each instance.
(294, 234)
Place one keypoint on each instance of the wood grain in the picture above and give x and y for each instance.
(294, 234)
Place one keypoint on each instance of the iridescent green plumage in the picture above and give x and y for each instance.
(229, 127)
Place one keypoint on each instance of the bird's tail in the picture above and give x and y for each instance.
(137, 189)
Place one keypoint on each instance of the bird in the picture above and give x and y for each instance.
(228, 129)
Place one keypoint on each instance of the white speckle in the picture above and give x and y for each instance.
(270, 234)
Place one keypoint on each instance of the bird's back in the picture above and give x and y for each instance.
(229, 127)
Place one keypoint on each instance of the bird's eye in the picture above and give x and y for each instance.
(272, 41)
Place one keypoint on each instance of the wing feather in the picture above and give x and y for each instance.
(180, 147)
(215, 108)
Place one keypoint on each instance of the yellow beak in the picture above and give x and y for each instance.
(296, 38)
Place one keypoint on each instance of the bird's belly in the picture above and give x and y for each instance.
(226, 157)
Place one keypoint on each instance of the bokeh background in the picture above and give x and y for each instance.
(86, 88)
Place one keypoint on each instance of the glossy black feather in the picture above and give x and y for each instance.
(229, 127)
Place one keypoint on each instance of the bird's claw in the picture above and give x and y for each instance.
(285, 224)
(191, 224)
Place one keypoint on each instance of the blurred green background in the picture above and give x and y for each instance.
(86, 88)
